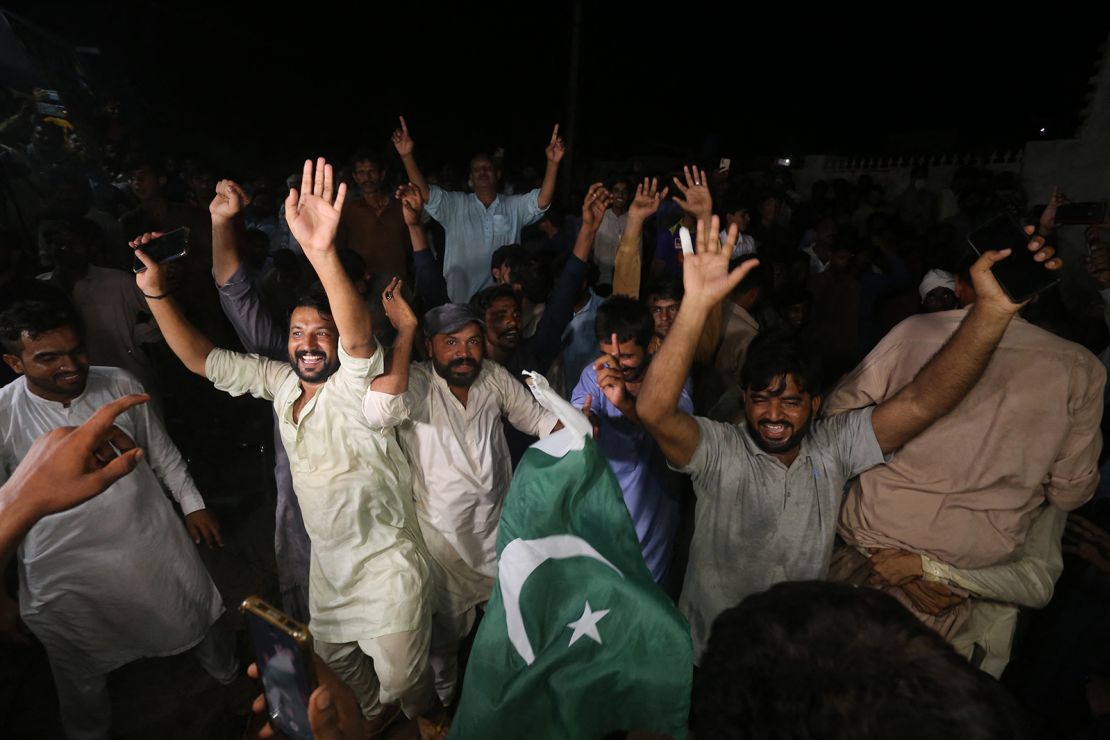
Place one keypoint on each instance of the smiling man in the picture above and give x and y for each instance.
(607, 391)
(116, 578)
(769, 489)
(449, 419)
(370, 585)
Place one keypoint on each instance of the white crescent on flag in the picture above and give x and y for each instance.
(518, 560)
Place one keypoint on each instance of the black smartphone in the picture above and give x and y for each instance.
(283, 652)
(1020, 276)
(1081, 213)
(173, 245)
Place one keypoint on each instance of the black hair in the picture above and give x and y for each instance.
(831, 661)
(140, 160)
(665, 289)
(314, 296)
(34, 317)
(503, 254)
(754, 279)
(627, 318)
(532, 275)
(483, 299)
(366, 155)
(772, 356)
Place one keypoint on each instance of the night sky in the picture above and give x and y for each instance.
(252, 84)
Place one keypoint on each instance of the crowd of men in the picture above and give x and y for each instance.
(787, 389)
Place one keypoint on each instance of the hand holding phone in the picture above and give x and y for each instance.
(162, 248)
(1022, 274)
(285, 662)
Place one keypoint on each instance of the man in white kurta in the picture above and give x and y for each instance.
(461, 473)
(369, 579)
(116, 578)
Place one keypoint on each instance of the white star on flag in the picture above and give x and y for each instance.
(587, 625)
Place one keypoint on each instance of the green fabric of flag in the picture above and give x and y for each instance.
(577, 640)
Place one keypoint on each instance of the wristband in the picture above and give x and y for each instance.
(156, 297)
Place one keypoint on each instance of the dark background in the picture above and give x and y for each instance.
(254, 83)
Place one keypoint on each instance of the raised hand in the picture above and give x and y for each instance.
(401, 139)
(594, 205)
(1098, 264)
(230, 199)
(647, 200)
(705, 274)
(312, 214)
(397, 309)
(1048, 216)
(989, 293)
(695, 199)
(155, 281)
(412, 203)
(556, 148)
(611, 380)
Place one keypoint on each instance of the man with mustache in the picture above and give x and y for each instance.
(607, 391)
(449, 421)
(769, 489)
(370, 584)
(479, 222)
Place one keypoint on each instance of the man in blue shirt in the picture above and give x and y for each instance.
(479, 222)
(607, 391)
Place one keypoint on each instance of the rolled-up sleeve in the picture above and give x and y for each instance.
(527, 207)
(384, 410)
(1072, 479)
(237, 373)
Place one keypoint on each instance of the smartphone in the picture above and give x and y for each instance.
(1020, 276)
(173, 245)
(283, 652)
(1081, 213)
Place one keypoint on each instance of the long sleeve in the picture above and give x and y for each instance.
(547, 342)
(165, 460)
(430, 284)
(1028, 580)
(1072, 479)
(242, 304)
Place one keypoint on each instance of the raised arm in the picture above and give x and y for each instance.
(395, 379)
(707, 281)
(405, 146)
(695, 199)
(626, 267)
(430, 285)
(955, 369)
(555, 151)
(190, 346)
(547, 342)
(227, 227)
(313, 216)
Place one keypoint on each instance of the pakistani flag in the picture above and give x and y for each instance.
(577, 640)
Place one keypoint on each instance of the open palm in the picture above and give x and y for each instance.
(312, 214)
(705, 274)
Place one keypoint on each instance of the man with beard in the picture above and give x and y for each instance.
(116, 578)
(372, 225)
(769, 489)
(607, 390)
(479, 222)
(450, 423)
(370, 586)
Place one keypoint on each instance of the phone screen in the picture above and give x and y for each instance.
(170, 246)
(285, 678)
(1020, 276)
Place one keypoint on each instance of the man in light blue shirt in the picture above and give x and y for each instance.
(479, 222)
(607, 392)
